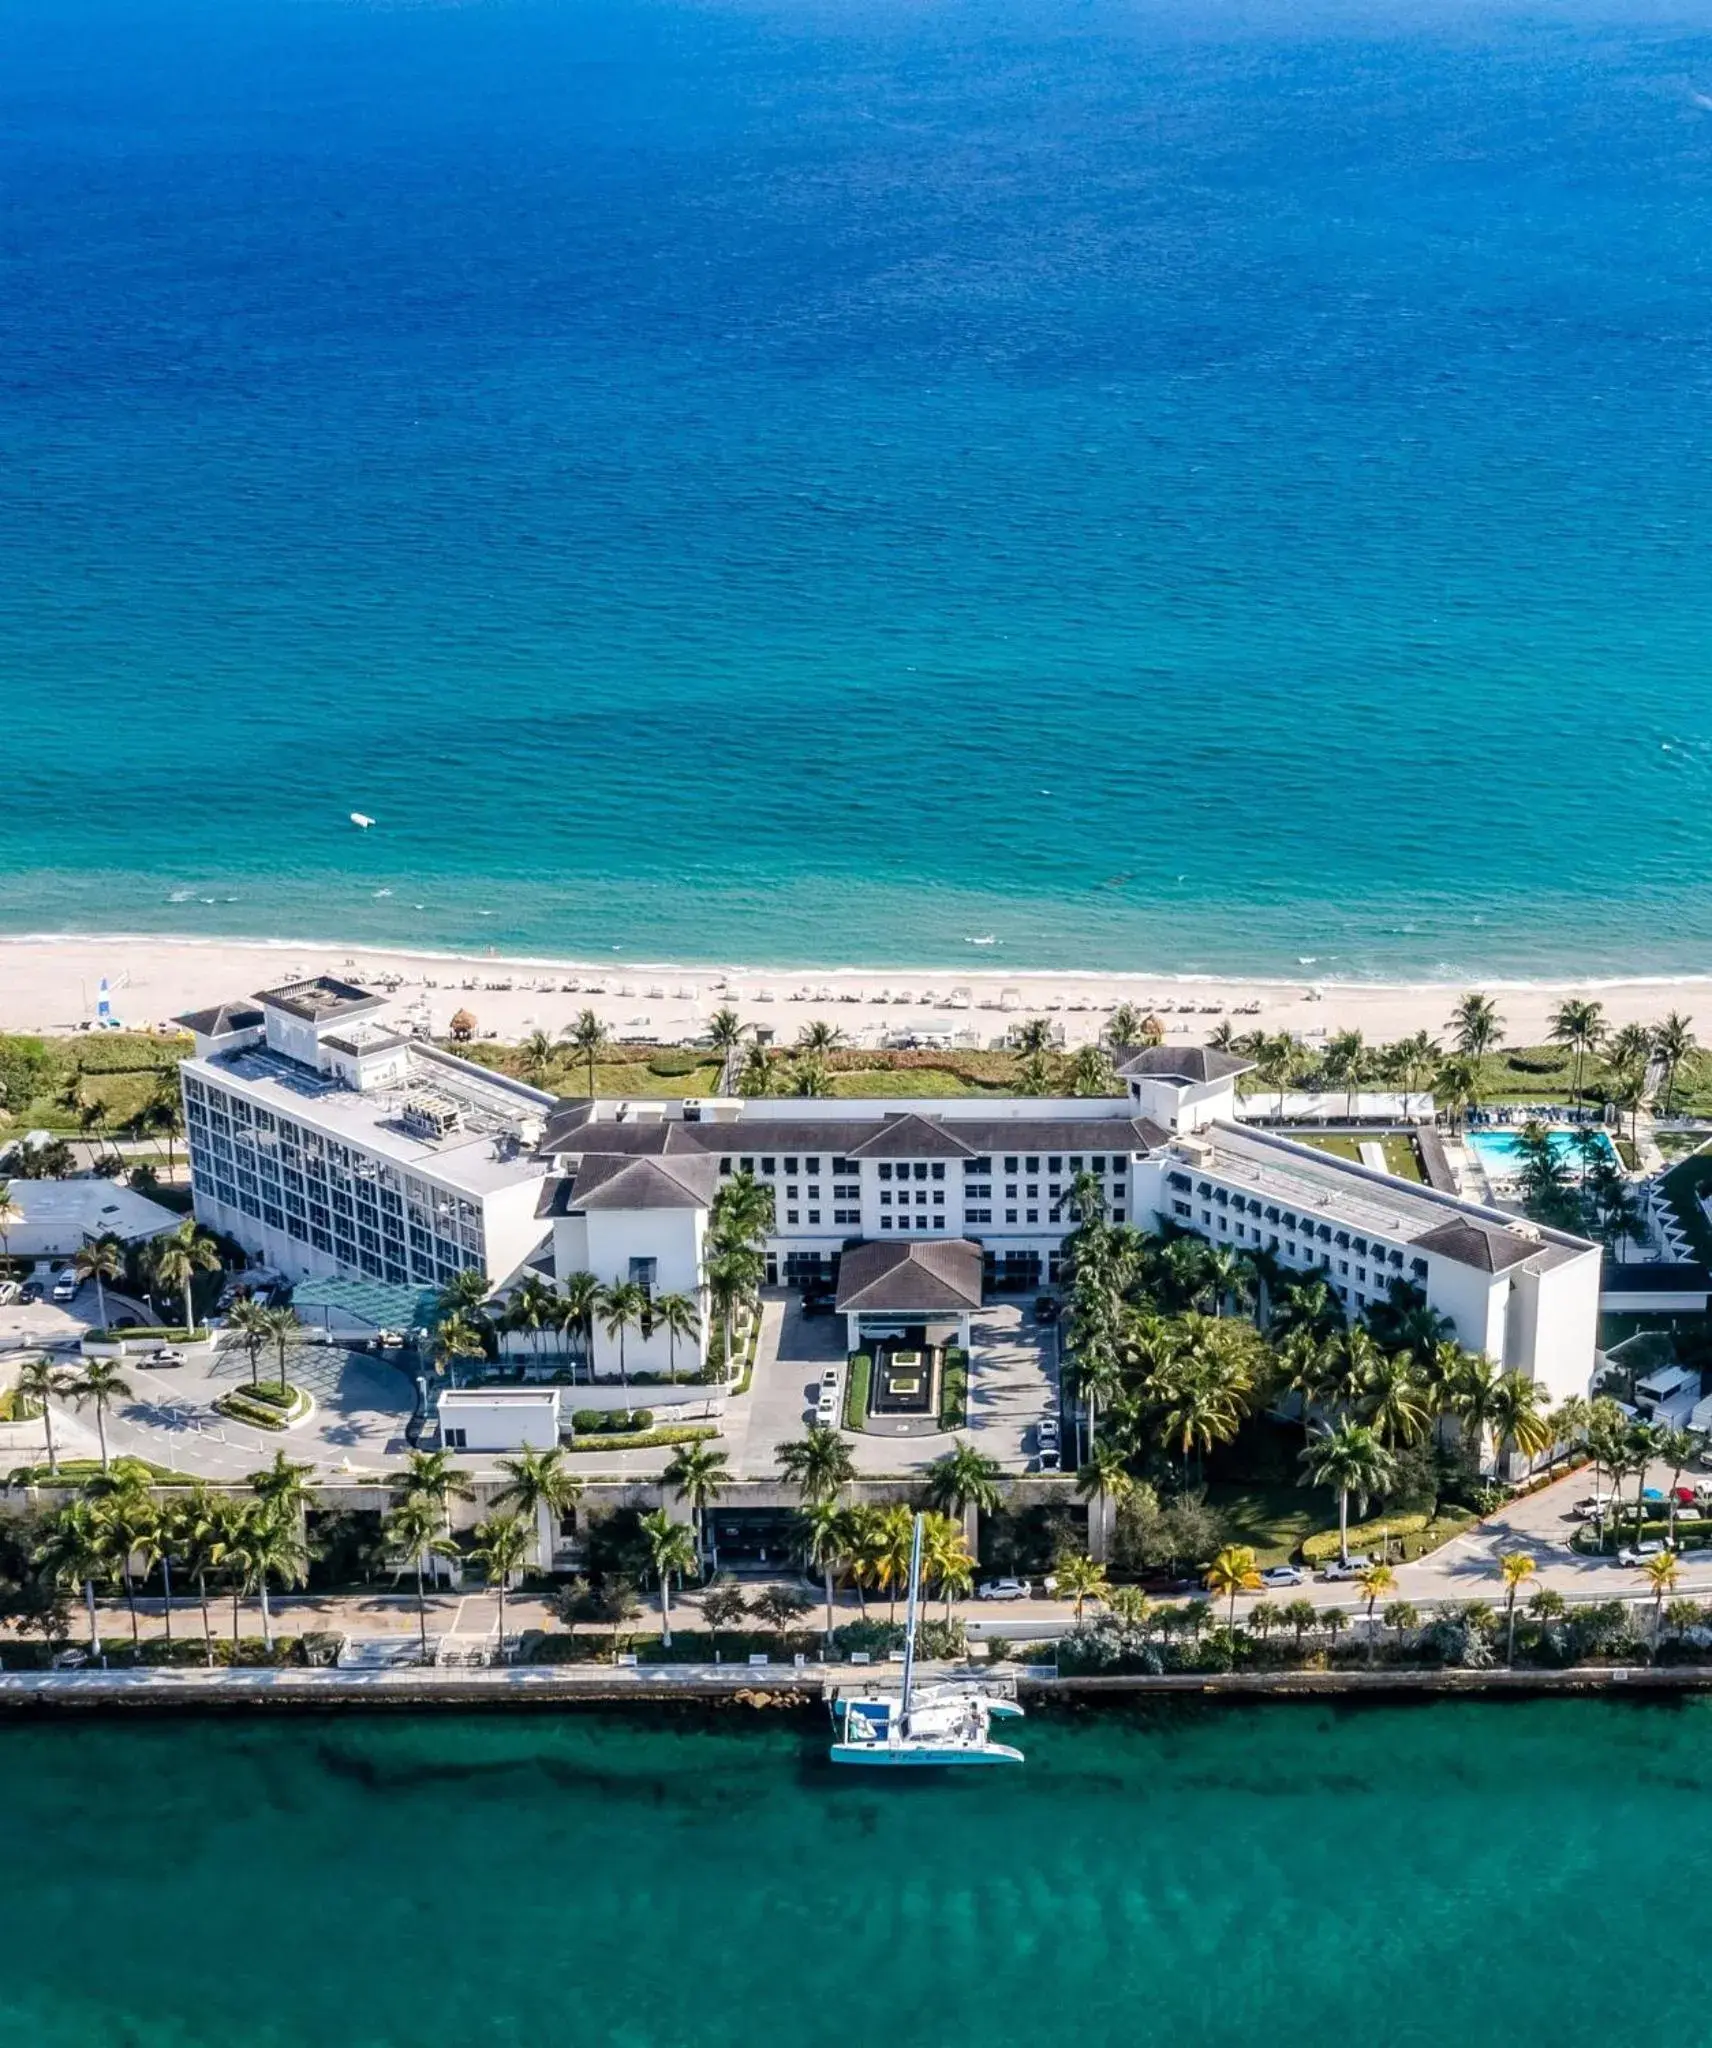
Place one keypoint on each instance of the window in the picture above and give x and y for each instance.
(1055, 1215)
(791, 1168)
(885, 1198)
(1010, 1215)
(850, 1191)
(885, 1223)
(1032, 1165)
(885, 1169)
(1011, 1163)
(725, 1165)
(811, 1166)
(980, 1168)
(1034, 1216)
(1010, 1190)
(455, 1439)
(767, 1165)
(814, 1215)
(747, 1165)
(790, 1216)
(1117, 1215)
(1055, 1164)
(921, 1169)
(1054, 1191)
(1033, 1190)
(842, 1166)
(938, 1169)
(643, 1274)
(814, 1194)
(852, 1216)
(1181, 1209)
(939, 1198)
(979, 1215)
(1207, 1217)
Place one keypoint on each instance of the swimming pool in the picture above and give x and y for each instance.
(1500, 1151)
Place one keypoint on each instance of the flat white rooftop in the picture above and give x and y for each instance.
(61, 1215)
(490, 1150)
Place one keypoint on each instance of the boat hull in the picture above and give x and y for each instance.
(889, 1759)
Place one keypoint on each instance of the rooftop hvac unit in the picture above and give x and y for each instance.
(430, 1116)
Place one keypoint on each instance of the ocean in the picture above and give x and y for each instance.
(1162, 488)
(1489, 1876)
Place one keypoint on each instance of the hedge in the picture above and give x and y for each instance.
(612, 1421)
(238, 1406)
(856, 1390)
(276, 1393)
(954, 1389)
(683, 1433)
(162, 1333)
(1403, 1530)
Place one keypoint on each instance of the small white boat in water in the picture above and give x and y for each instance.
(920, 1725)
(361, 821)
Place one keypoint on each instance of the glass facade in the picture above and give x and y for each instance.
(326, 1193)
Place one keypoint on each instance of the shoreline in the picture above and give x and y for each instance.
(49, 980)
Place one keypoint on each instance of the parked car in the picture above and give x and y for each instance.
(1003, 1589)
(66, 1284)
(1046, 1433)
(163, 1359)
(818, 1302)
(1281, 1575)
(1638, 1553)
(1045, 1309)
(1048, 1460)
(1594, 1505)
(829, 1379)
(8, 1293)
(32, 1290)
(1336, 1570)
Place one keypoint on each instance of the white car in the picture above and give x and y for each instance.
(1046, 1433)
(1003, 1589)
(829, 1381)
(1281, 1575)
(1331, 1573)
(1590, 1509)
(163, 1359)
(1638, 1553)
(66, 1284)
(8, 1293)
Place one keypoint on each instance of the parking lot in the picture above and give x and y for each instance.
(1012, 1383)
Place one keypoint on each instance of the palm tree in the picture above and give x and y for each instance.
(100, 1381)
(533, 1308)
(587, 1038)
(963, 1478)
(282, 1490)
(671, 1548)
(101, 1259)
(432, 1476)
(819, 1037)
(699, 1475)
(178, 1259)
(465, 1293)
(1277, 1060)
(1393, 1399)
(1677, 1448)
(1478, 1027)
(1472, 1396)
(725, 1035)
(1375, 1581)
(1232, 1572)
(11, 1215)
(1300, 1615)
(1079, 1578)
(200, 1521)
(579, 1295)
(412, 1534)
(1348, 1459)
(254, 1324)
(1662, 1572)
(1347, 1064)
(890, 1538)
(1092, 1073)
(280, 1326)
(457, 1336)
(501, 1544)
(43, 1382)
(680, 1317)
(538, 1056)
(1673, 1042)
(621, 1307)
(1104, 1475)
(755, 1076)
(76, 1552)
(1518, 1417)
(1580, 1025)
(539, 1480)
(1123, 1027)
(945, 1558)
(818, 1465)
(1516, 1568)
(825, 1535)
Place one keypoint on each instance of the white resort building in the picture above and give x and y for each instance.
(330, 1144)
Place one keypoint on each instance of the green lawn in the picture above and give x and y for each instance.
(118, 1071)
(1401, 1157)
(1275, 1521)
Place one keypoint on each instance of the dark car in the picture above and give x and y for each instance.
(818, 1302)
(30, 1291)
(1045, 1309)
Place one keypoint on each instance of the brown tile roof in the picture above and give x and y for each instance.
(925, 1276)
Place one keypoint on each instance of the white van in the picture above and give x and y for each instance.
(66, 1284)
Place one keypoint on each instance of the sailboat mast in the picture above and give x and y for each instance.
(909, 1612)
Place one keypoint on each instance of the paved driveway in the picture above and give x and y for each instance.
(1013, 1381)
(793, 1353)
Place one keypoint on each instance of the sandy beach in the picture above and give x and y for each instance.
(50, 984)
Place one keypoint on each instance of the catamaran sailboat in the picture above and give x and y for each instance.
(932, 1724)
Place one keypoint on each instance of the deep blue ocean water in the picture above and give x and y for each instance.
(1165, 486)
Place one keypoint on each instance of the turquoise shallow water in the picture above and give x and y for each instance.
(1216, 487)
(1295, 1875)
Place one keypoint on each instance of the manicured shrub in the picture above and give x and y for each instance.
(856, 1390)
